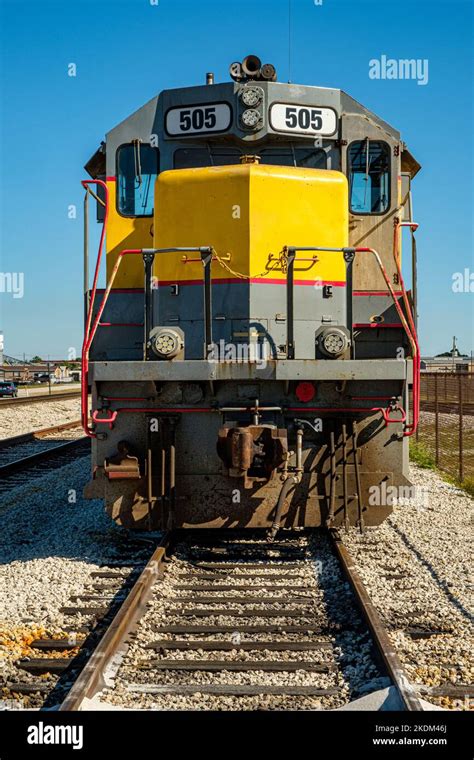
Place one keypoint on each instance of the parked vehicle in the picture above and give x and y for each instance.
(8, 389)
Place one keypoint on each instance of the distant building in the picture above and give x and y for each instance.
(22, 373)
(446, 364)
(449, 361)
(27, 372)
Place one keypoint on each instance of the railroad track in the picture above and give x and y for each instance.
(38, 435)
(41, 397)
(229, 622)
(30, 455)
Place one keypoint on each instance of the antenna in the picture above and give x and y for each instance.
(289, 41)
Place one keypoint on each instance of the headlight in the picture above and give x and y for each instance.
(251, 96)
(250, 118)
(333, 342)
(166, 343)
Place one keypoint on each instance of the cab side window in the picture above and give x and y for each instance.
(369, 177)
(138, 166)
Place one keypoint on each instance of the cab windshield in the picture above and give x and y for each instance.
(192, 157)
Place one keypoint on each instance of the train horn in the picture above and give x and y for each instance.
(268, 72)
(252, 66)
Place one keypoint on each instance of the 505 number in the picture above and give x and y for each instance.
(303, 118)
(191, 120)
(198, 119)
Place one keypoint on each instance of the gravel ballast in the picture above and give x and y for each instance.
(52, 540)
(50, 545)
(29, 417)
(426, 544)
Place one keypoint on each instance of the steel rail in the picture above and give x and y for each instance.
(92, 677)
(394, 667)
(24, 463)
(37, 435)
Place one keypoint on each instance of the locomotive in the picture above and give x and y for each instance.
(253, 359)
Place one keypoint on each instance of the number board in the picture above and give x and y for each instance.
(191, 120)
(303, 120)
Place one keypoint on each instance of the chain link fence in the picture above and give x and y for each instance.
(446, 427)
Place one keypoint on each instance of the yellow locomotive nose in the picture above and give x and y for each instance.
(248, 213)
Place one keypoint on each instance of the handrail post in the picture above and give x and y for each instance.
(86, 256)
(414, 277)
(349, 255)
(290, 303)
(148, 259)
(460, 399)
(206, 259)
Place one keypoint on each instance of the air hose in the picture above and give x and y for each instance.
(291, 481)
(288, 483)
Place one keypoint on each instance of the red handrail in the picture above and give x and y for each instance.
(91, 331)
(410, 331)
(85, 355)
(109, 420)
(91, 327)
(411, 428)
(384, 411)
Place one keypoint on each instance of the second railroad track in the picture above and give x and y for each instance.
(29, 455)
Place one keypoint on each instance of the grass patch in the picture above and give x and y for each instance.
(421, 455)
(466, 485)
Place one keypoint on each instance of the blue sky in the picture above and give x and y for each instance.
(128, 50)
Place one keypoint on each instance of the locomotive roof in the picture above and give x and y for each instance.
(150, 118)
